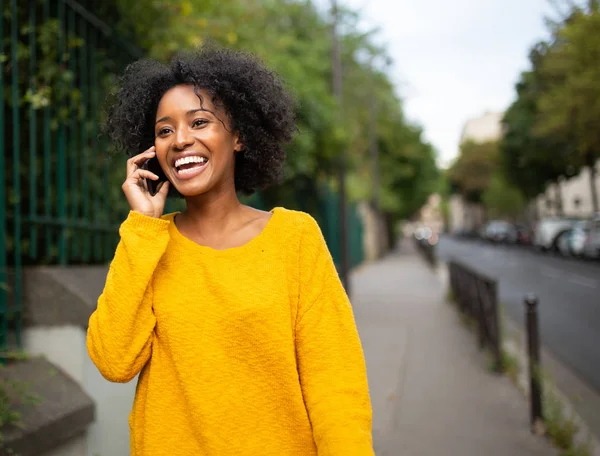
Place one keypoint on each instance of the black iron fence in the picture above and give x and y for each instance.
(427, 250)
(477, 298)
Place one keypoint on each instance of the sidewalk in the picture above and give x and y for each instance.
(431, 391)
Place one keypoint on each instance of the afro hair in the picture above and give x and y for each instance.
(258, 106)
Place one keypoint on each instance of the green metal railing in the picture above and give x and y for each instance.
(59, 196)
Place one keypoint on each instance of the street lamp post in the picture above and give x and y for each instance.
(336, 58)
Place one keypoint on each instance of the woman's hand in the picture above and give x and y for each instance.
(135, 189)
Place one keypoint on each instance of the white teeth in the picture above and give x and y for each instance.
(192, 159)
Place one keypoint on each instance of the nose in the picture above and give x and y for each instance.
(183, 139)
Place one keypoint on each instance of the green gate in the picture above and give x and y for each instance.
(59, 200)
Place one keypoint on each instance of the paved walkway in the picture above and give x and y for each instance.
(431, 391)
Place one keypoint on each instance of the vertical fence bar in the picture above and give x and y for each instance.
(3, 233)
(33, 161)
(94, 88)
(533, 346)
(497, 336)
(105, 205)
(72, 158)
(84, 170)
(16, 155)
(61, 146)
(47, 160)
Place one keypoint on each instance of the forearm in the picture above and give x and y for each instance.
(119, 336)
(334, 381)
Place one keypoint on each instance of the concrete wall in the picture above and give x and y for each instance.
(65, 347)
(374, 233)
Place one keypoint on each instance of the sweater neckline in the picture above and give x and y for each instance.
(261, 239)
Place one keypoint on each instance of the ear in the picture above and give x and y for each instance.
(237, 144)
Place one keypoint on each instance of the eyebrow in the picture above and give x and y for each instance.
(189, 113)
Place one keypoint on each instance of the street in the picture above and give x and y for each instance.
(568, 292)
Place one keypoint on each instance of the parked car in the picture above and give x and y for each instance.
(572, 242)
(500, 231)
(591, 248)
(524, 235)
(548, 230)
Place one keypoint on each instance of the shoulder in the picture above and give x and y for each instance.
(299, 225)
(303, 236)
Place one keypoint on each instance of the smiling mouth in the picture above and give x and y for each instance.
(188, 165)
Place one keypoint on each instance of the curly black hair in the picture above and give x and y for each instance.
(258, 105)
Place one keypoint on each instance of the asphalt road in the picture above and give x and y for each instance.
(568, 291)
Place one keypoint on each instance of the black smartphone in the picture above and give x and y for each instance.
(153, 166)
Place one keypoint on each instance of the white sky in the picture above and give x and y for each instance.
(455, 59)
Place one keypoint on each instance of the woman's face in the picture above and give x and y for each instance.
(194, 144)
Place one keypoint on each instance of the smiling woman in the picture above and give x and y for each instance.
(235, 319)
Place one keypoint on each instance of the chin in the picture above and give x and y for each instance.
(194, 190)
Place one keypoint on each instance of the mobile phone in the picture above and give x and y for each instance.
(153, 166)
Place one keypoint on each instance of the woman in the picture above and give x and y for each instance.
(234, 318)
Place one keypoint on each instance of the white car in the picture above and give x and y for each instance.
(548, 230)
(591, 248)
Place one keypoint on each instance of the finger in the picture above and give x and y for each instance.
(164, 189)
(138, 161)
(136, 176)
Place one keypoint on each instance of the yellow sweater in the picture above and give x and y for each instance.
(249, 351)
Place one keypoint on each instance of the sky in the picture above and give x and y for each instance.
(455, 59)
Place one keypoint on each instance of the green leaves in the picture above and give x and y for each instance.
(551, 127)
(295, 40)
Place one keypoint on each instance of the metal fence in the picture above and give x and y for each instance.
(57, 204)
(477, 297)
(427, 250)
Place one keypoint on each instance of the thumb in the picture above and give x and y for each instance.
(164, 191)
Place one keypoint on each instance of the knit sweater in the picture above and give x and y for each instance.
(246, 351)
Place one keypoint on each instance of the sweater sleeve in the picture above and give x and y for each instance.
(330, 358)
(120, 331)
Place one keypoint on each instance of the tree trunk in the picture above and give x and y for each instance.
(593, 188)
(559, 200)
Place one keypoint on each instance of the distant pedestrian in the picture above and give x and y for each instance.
(234, 318)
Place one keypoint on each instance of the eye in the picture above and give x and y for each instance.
(199, 123)
(163, 132)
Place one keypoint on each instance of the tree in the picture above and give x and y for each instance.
(569, 106)
(530, 160)
(297, 44)
(501, 199)
(471, 173)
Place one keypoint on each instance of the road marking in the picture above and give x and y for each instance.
(584, 281)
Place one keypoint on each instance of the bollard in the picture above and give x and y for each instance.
(533, 346)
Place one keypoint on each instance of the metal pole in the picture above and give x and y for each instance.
(373, 149)
(533, 346)
(337, 91)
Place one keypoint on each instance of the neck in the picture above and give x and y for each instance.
(214, 211)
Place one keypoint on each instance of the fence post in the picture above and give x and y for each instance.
(533, 345)
(498, 340)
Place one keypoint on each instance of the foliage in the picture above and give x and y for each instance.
(13, 394)
(297, 44)
(569, 107)
(501, 199)
(472, 172)
(76, 65)
(550, 129)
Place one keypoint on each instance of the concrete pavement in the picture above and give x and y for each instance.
(431, 391)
